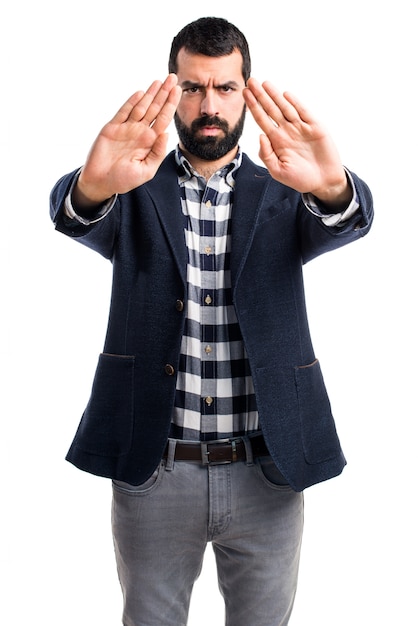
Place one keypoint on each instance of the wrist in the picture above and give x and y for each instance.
(85, 197)
(337, 196)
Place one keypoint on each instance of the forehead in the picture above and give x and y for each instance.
(202, 69)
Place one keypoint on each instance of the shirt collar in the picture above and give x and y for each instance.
(228, 171)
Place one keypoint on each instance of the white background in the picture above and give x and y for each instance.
(66, 68)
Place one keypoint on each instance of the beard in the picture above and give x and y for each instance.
(209, 148)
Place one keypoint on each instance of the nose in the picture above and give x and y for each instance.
(209, 105)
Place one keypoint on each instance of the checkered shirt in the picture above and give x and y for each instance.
(215, 395)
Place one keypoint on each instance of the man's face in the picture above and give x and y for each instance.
(210, 115)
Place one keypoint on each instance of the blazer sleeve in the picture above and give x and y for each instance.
(99, 236)
(316, 238)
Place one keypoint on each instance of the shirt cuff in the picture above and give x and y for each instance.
(333, 219)
(97, 215)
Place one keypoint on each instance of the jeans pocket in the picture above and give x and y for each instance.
(144, 488)
(269, 473)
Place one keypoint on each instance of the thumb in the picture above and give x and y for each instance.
(159, 149)
(266, 153)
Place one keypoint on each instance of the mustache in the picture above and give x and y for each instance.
(210, 120)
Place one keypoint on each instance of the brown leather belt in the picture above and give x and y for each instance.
(219, 451)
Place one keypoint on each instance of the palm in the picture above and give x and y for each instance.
(122, 154)
(295, 148)
(131, 147)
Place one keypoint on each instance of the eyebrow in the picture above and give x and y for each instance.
(188, 84)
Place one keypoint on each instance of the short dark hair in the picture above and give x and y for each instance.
(213, 37)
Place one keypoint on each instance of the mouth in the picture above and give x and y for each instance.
(209, 127)
(210, 131)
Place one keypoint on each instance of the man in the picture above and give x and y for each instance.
(208, 409)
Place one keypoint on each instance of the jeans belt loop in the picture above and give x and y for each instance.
(249, 456)
(234, 450)
(171, 450)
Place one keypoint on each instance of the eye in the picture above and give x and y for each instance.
(192, 90)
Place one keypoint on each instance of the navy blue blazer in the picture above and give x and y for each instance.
(124, 429)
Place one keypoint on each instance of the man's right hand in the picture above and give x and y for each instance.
(130, 148)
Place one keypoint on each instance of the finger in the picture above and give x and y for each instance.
(279, 105)
(158, 150)
(167, 112)
(165, 98)
(154, 99)
(136, 106)
(266, 153)
(263, 108)
(123, 114)
(304, 114)
(256, 103)
(141, 107)
(273, 103)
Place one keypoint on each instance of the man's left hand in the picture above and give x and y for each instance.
(295, 147)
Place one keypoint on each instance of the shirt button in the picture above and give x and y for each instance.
(208, 299)
(179, 305)
(208, 203)
(208, 349)
(208, 250)
(169, 369)
(208, 400)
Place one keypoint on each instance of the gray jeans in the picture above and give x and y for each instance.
(161, 528)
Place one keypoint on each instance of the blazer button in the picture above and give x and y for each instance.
(179, 305)
(169, 369)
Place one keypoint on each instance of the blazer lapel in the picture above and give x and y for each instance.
(251, 183)
(164, 191)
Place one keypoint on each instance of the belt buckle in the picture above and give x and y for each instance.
(205, 451)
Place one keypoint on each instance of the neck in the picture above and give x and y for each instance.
(208, 168)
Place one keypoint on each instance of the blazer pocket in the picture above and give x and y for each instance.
(107, 423)
(273, 210)
(319, 436)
